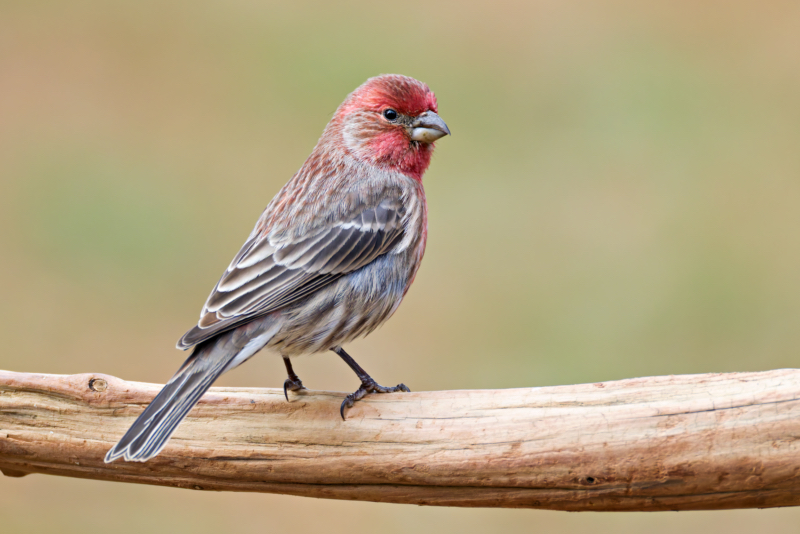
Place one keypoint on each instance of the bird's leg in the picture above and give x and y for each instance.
(368, 385)
(293, 382)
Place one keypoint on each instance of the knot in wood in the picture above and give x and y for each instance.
(98, 384)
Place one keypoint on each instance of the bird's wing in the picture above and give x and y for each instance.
(265, 276)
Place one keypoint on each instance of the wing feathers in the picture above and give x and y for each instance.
(324, 252)
(261, 250)
(244, 303)
(242, 275)
(291, 253)
(251, 280)
(340, 247)
(362, 248)
(265, 277)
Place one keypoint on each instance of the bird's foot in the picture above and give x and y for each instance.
(368, 386)
(292, 384)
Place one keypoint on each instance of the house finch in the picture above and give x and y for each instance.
(329, 260)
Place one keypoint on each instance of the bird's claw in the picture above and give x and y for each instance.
(368, 387)
(291, 385)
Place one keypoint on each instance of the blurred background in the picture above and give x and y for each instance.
(619, 199)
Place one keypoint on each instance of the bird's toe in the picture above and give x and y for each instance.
(292, 385)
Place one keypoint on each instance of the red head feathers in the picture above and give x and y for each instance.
(390, 121)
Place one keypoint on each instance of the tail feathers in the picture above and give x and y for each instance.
(151, 431)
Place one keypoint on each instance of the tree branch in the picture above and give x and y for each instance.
(661, 443)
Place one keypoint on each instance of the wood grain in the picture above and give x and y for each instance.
(689, 442)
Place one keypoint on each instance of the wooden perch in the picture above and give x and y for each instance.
(660, 443)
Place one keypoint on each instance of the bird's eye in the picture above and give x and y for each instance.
(390, 114)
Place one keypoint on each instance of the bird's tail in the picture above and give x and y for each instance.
(151, 431)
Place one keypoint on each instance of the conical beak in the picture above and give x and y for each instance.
(428, 127)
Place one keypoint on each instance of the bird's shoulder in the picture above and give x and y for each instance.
(319, 197)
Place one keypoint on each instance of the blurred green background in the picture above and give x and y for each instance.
(619, 198)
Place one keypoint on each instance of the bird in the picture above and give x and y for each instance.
(329, 260)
